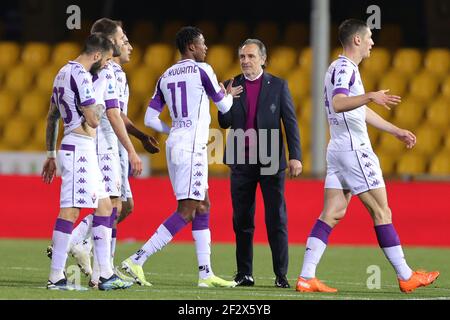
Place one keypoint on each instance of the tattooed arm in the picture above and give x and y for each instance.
(49, 169)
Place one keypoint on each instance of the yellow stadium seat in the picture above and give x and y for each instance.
(232, 72)
(387, 162)
(282, 60)
(446, 87)
(299, 83)
(143, 33)
(37, 140)
(306, 161)
(296, 35)
(8, 102)
(220, 57)
(45, 79)
(369, 81)
(335, 53)
(438, 113)
(19, 79)
(447, 141)
(9, 56)
(424, 86)
(158, 57)
(34, 106)
(235, 33)
(170, 29)
(407, 61)
(428, 140)
(381, 111)
(305, 110)
(440, 163)
(143, 80)
(411, 164)
(158, 161)
(374, 134)
(64, 52)
(267, 32)
(135, 59)
(389, 144)
(35, 54)
(395, 82)
(377, 64)
(408, 114)
(16, 133)
(437, 61)
(305, 59)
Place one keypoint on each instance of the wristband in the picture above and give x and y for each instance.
(51, 154)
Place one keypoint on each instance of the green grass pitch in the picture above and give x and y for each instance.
(24, 269)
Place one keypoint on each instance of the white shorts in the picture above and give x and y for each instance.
(125, 192)
(109, 164)
(188, 172)
(81, 178)
(357, 171)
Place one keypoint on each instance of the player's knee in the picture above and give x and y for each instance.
(203, 207)
(332, 217)
(382, 215)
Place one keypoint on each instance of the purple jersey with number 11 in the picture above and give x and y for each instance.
(185, 88)
(72, 89)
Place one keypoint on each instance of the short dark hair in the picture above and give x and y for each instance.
(97, 42)
(348, 29)
(185, 36)
(106, 26)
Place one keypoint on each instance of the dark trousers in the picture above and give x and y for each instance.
(244, 179)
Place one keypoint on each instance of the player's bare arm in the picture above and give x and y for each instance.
(150, 143)
(343, 103)
(375, 120)
(49, 168)
(118, 126)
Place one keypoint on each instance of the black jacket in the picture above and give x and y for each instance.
(274, 104)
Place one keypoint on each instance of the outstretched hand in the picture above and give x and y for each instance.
(407, 137)
(234, 91)
(150, 144)
(386, 100)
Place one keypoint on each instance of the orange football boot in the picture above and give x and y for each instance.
(312, 285)
(419, 278)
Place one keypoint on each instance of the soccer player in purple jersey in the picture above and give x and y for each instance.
(185, 88)
(75, 101)
(352, 166)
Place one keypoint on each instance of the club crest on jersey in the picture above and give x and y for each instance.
(273, 108)
(110, 89)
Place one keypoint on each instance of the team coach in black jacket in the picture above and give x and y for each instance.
(260, 157)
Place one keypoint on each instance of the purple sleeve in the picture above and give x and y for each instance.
(340, 90)
(157, 101)
(209, 87)
(111, 103)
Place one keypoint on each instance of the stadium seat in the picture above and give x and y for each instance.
(374, 134)
(63, 52)
(381, 111)
(428, 140)
(210, 32)
(235, 33)
(299, 83)
(143, 80)
(437, 62)
(305, 110)
(411, 164)
(447, 141)
(35, 54)
(10, 55)
(306, 161)
(387, 162)
(45, 78)
(407, 61)
(335, 53)
(390, 144)
(170, 29)
(377, 64)
(296, 35)
(440, 163)
(233, 71)
(16, 133)
(305, 59)
(33, 106)
(446, 87)
(369, 81)
(395, 82)
(220, 57)
(142, 33)
(267, 32)
(158, 57)
(19, 79)
(438, 113)
(37, 141)
(408, 114)
(282, 60)
(158, 161)
(8, 102)
(423, 86)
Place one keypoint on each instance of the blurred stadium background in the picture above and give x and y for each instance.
(411, 57)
